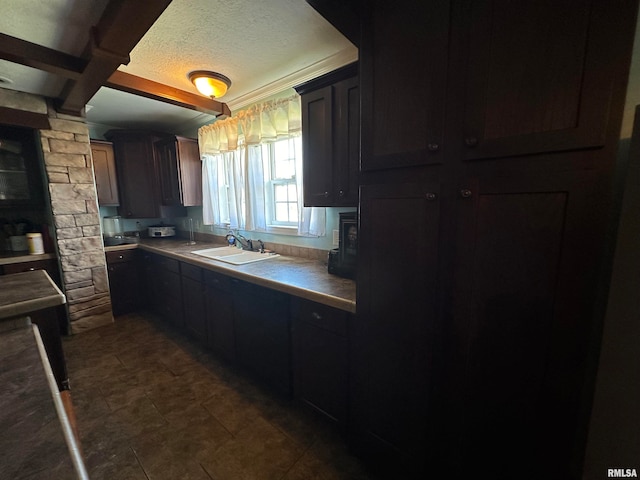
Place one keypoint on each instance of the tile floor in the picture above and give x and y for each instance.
(151, 404)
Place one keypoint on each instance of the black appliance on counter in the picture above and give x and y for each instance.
(342, 260)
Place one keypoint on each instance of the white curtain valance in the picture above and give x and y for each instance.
(265, 122)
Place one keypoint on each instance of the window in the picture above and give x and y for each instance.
(252, 171)
(281, 186)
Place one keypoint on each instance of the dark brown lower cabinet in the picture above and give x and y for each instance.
(220, 314)
(320, 358)
(164, 291)
(262, 330)
(394, 332)
(193, 300)
(522, 323)
(124, 280)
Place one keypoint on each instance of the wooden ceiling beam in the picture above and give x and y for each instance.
(122, 25)
(126, 82)
(30, 54)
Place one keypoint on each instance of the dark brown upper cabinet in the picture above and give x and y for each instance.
(180, 171)
(137, 173)
(20, 173)
(403, 74)
(536, 75)
(331, 138)
(104, 170)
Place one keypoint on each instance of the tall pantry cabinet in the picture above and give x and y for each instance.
(489, 134)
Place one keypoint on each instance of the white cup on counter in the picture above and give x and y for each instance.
(35, 243)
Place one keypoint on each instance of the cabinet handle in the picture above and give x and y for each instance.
(316, 316)
(430, 196)
(433, 147)
(471, 141)
(465, 193)
(32, 269)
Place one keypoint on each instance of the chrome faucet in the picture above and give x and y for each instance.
(245, 243)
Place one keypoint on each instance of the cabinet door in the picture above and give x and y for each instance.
(20, 177)
(263, 334)
(220, 315)
(168, 290)
(533, 89)
(190, 170)
(195, 318)
(346, 161)
(104, 170)
(403, 70)
(137, 175)
(523, 315)
(124, 280)
(319, 342)
(317, 147)
(394, 331)
(170, 193)
(123, 284)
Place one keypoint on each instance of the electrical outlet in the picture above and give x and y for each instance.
(336, 238)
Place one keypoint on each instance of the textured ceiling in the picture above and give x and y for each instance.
(263, 46)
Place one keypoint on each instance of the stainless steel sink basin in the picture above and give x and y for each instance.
(233, 255)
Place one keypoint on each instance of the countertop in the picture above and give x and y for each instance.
(296, 276)
(21, 293)
(7, 258)
(36, 440)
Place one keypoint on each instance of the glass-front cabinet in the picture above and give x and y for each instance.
(20, 179)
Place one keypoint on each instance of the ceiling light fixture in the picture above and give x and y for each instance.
(210, 84)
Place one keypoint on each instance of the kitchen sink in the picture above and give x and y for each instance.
(234, 255)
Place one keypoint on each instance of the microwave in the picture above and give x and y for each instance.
(342, 260)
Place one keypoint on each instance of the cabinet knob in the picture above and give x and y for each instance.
(32, 269)
(120, 257)
(465, 193)
(325, 194)
(431, 196)
(471, 141)
(316, 316)
(433, 147)
(341, 193)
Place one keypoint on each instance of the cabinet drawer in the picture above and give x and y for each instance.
(191, 271)
(218, 281)
(168, 263)
(322, 316)
(120, 256)
(48, 265)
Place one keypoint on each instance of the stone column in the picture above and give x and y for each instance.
(71, 184)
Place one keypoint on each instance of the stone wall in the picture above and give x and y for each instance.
(70, 182)
(69, 168)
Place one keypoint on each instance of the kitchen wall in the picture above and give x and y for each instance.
(72, 202)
